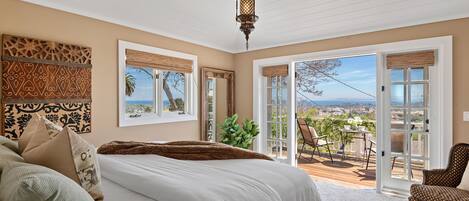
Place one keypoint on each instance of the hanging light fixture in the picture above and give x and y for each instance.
(246, 15)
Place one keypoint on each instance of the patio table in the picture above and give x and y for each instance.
(356, 134)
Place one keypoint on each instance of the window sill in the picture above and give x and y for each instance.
(127, 122)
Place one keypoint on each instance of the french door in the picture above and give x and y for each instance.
(414, 109)
(276, 126)
(408, 133)
(276, 120)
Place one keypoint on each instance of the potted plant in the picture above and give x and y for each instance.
(238, 136)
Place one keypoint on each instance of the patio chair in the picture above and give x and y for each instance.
(371, 149)
(397, 145)
(311, 138)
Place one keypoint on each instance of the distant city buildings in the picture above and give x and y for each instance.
(354, 108)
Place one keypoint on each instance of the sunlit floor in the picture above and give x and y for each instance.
(351, 171)
(347, 171)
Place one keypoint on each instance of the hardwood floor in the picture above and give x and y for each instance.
(348, 172)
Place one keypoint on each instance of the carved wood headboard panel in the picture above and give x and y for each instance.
(45, 77)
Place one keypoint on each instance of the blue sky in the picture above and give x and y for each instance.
(360, 72)
(144, 87)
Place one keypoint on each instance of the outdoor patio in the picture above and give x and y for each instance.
(350, 171)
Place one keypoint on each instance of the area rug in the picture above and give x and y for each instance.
(336, 192)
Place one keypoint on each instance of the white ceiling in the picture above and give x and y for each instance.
(211, 22)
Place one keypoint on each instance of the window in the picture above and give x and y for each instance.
(155, 85)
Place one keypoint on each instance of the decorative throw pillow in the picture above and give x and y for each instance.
(465, 180)
(68, 154)
(26, 182)
(36, 124)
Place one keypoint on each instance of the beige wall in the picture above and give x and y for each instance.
(458, 28)
(38, 22)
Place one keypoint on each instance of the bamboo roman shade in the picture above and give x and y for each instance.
(144, 59)
(412, 59)
(272, 71)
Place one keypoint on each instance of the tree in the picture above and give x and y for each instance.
(129, 84)
(311, 73)
(175, 78)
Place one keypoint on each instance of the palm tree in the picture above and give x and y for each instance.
(129, 84)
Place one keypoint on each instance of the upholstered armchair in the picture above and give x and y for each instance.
(440, 184)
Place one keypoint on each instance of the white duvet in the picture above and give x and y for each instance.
(166, 179)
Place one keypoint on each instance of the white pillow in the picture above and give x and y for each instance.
(465, 180)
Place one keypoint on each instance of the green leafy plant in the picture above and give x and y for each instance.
(235, 135)
(129, 84)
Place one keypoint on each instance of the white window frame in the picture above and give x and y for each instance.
(191, 95)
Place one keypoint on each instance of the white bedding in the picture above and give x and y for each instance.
(166, 179)
(116, 192)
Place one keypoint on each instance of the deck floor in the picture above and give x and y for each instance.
(344, 171)
(350, 172)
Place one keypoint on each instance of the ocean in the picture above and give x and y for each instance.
(316, 102)
(139, 102)
(144, 102)
(338, 102)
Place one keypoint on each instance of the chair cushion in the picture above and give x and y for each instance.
(438, 193)
(323, 142)
(464, 185)
(313, 132)
(80, 164)
(26, 182)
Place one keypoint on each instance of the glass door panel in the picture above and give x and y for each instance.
(408, 141)
(277, 117)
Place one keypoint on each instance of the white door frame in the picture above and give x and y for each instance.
(444, 126)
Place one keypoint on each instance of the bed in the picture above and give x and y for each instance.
(154, 177)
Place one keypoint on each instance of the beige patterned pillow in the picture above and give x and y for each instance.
(68, 154)
(36, 123)
(52, 129)
(465, 180)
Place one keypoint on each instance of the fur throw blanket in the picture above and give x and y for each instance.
(182, 150)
